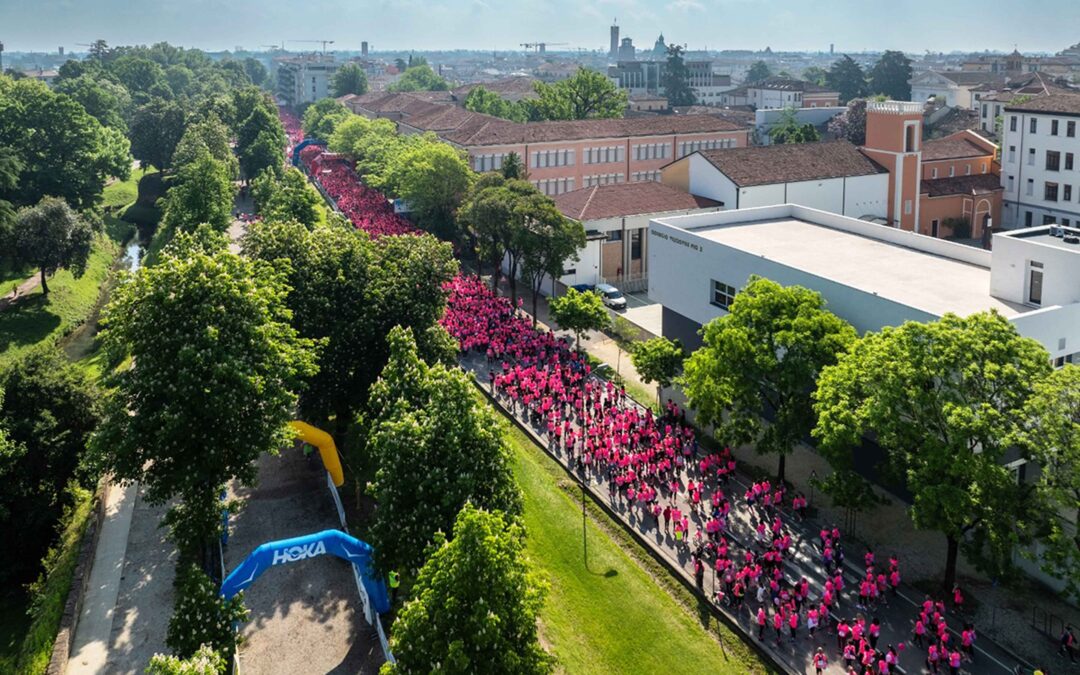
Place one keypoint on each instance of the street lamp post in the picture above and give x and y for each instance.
(813, 480)
(584, 531)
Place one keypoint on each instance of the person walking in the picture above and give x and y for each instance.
(820, 661)
(1068, 643)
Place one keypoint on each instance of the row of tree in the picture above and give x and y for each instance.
(889, 76)
(585, 95)
(949, 402)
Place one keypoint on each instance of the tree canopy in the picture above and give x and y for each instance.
(419, 78)
(51, 236)
(156, 129)
(788, 130)
(433, 178)
(891, 75)
(851, 124)
(945, 399)
(349, 79)
(677, 78)
(658, 360)
(289, 197)
(847, 77)
(202, 192)
(322, 118)
(579, 312)
(755, 373)
(482, 100)
(586, 94)
(759, 70)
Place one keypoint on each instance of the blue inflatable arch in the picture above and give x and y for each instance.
(301, 145)
(334, 542)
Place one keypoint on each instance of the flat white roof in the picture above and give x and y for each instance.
(919, 279)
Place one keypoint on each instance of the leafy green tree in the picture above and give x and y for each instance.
(202, 621)
(760, 362)
(51, 236)
(180, 79)
(1051, 436)
(62, 150)
(10, 168)
(759, 70)
(552, 241)
(436, 447)
(891, 76)
(579, 312)
(513, 167)
(847, 77)
(482, 100)
(256, 71)
(323, 116)
(217, 362)
(586, 94)
(49, 410)
(260, 132)
(106, 101)
(242, 102)
(156, 130)
(208, 136)
(677, 78)
(202, 193)
(946, 400)
(349, 79)
(139, 75)
(486, 216)
(432, 178)
(658, 360)
(266, 153)
(372, 143)
(205, 661)
(419, 78)
(288, 197)
(816, 75)
(788, 130)
(851, 124)
(476, 604)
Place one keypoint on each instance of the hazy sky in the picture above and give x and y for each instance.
(855, 25)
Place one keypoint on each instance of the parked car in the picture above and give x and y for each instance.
(583, 288)
(611, 296)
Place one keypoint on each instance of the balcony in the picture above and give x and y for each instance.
(895, 107)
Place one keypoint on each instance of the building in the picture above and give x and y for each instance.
(304, 79)
(1039, 171)
(560, 156)
(1065, 63)
(780, 92)
(946, 187)
(647, 103)
(647, 77)
(765, 119)
(616, 219)
(1030, 85)
(871, 276)
(614, 50)
(627, 51)
(957, 88)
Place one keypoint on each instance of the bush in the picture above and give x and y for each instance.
(202, 617)
(960, 228)
(205, 662)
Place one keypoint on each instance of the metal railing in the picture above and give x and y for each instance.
(629, 283)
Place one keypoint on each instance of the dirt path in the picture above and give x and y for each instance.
(306, 617)
(24, 289)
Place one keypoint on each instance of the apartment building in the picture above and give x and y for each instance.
(958, 88)
(639, 78)
(304, 79)
(561, 156)
(780, 92)
(1039, 169)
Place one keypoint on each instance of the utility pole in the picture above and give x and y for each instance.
(1, 57)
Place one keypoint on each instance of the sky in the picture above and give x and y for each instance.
(852, 25)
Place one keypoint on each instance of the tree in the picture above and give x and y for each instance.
(261, 131)
(759, 71)
(419, 78)
(156, 130)
(891, 75)
(754, 375)
(322, 118)
(205, 661)
(203, 619)
(579, 312)
(208, 136)
(513, 167)
(49, 408)
(486, 213)
(432, 178)
(51, 236)
(10, 168)
(139, 75)
(256, 71)
(264, 154)
(202, 193)
(788, 130)
(658, 360)
(945, 400)
(847, 77)
(816, 75)
(586, 94)
(430, 417)
(288, 197)
(475, 604)
(349, 79)
(851, 124)
(217, 362)
(371, 143)
(677, 78)
(106, 101)
(1051, 436)
(552, 240)
(62, 150)
(488, 102)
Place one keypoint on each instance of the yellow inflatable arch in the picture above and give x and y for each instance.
(327, 449)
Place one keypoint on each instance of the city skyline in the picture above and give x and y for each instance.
(394, 25)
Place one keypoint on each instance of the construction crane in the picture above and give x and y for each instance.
(541, 47)
(324, 43)
(274, 47)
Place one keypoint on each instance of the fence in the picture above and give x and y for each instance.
(629, 283)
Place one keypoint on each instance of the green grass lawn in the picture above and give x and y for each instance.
(612, 615)
(13, 622)
(38, 318)
(122, 193)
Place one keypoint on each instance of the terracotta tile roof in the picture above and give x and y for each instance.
(788, 84)
(503, 132)
(768, 164)
(951, 147)
(976, 184)
(511, 88)
(968, 77)
(1062, 104)
(627, 199)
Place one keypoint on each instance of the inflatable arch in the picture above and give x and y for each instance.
(327, 449)
(334, 542)
(301, 145)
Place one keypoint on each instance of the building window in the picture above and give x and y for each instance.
(984, 167)
(933, 172)
(1031, 156)
(934, 224)
(1050, 192)
(1033, 125)
(952, 171)
(1068, 161)
(997, 111)
(1012, 122)
(1070, 129)
(1066, 193)
(635, 244)
(1012, 183)
(907, 207)
(1030, 187)
(722, 294)
(1012, 154)
(1035, 282)
(909, 138)
(1048, 220)
(1053, 127)
(1053, 160)
(614, 235)
(985, 109)
(1027, 215)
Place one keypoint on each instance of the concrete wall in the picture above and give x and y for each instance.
(766, 118)
(1056, 327)
(1009, 272)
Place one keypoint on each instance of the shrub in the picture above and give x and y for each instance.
(205, 661)
(202, 617)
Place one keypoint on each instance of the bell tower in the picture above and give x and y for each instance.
(894, 140)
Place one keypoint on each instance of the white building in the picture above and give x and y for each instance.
(956, 87)
(871, 275)
(304, 79)
(832, 176)
(780, 92)
(1039, 169)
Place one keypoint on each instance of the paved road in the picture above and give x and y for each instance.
(897, 618)
(306, 617)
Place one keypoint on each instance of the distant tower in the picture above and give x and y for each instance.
(614, 51)
(363, 49)
(831, 49)
(61, 51)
